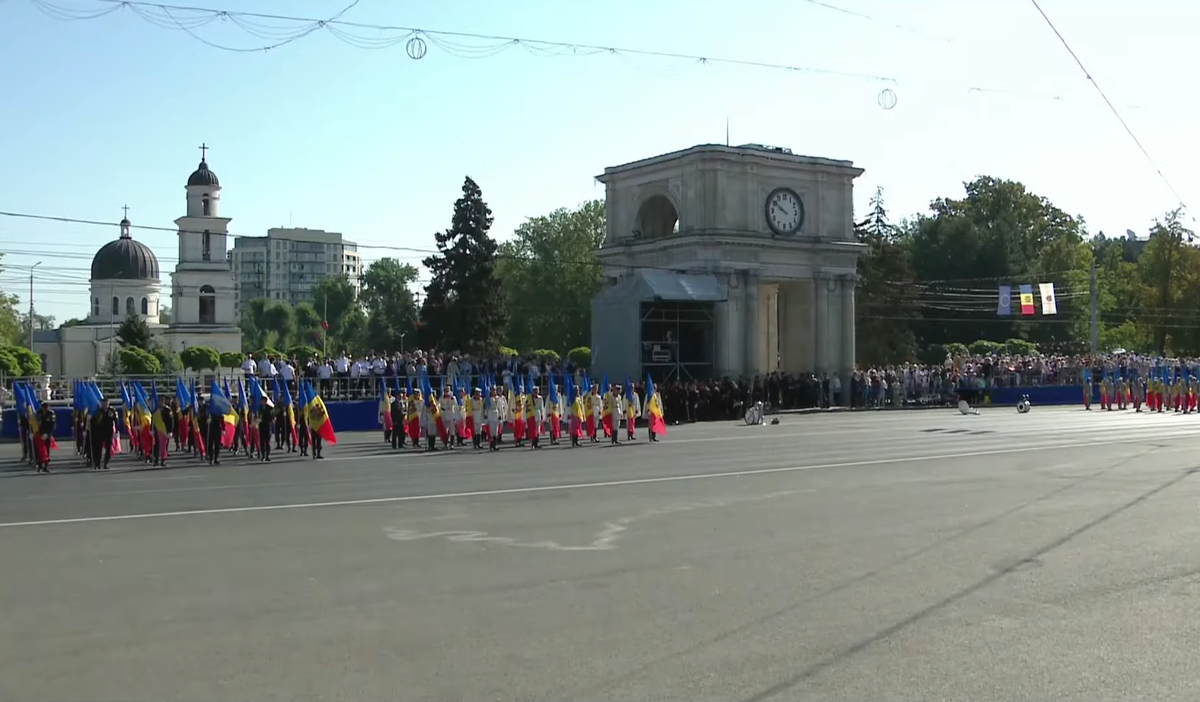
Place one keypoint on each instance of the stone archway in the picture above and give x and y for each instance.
(656, 218)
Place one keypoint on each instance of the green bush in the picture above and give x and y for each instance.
(168, 361)
(984, 347)
(303, 352)
(134, 361)
(581, 356)
(8, 364)
(956, 350)
(232, 359)
(200, 358)
(550, 354)
(1020, 347)
(265, 352)
(509, 352)
(28, 362)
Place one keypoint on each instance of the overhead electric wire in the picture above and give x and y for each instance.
(457, 43)
(1113, 108)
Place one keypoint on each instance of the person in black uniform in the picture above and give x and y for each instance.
(397, 411)
(25, 437)
(302, 433)
(316, 440)
(266, 416)
(161, 443)
(100, 435)
(215, 431)
(46, 422)
(79, 429)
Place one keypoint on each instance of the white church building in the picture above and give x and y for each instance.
(125, 280)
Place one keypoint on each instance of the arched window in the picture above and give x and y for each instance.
(208, 305)
(207, 208)
(95, 307)
(129, 308)
(145, 307)
(116, 308)
(206, 246)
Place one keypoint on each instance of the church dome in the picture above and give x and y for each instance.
(203, 176)
(125, 259)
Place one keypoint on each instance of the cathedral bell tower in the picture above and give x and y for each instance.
(202, 285)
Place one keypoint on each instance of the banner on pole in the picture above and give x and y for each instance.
(1027, 307)
(1049, 304)
(1004, 303)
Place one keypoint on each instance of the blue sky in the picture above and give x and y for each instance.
(108, 112)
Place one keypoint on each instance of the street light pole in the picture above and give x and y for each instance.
(31, 303)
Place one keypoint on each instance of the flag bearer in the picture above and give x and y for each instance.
(476, 411)
(534, 417)
(1122, 392)
(495, 419)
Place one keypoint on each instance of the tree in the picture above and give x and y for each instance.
(41, 322)
(232, 359)
(164, 314)
(308, 323)
(279, 321)
(464, 307)
(334, 298)
(886, 298)
(390, 304)
(254, 336)
(553, 258)
(200, 358)
(135, 333)
(28, 362)
(999, 233)
(136, 361)
(1170, 276)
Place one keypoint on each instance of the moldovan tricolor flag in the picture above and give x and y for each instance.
(654, 413)
(1027, 307)
(318, 416)
(1049, 304)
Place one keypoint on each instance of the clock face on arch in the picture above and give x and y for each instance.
(785, 211)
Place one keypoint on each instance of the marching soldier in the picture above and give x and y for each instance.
(495, 419)
(535, 414)
(100, 435)
(612, 407)
(448, 406)
(633, 408)
(46, 422)
(399, 426)
(477, 417)
(266, 420)
(595, 410)
(1122, 392)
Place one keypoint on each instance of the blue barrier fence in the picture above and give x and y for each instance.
(363, 415)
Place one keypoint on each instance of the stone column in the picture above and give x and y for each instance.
(753, 328)
(821, 343)
(848, 285)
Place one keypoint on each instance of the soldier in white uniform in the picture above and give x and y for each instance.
(535, 417)
(477, 417)
(495, 419)
(449, 407)
(429, 426)
(596, 407)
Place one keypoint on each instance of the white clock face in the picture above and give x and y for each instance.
(785, 212)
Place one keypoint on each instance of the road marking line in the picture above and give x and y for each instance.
(572, 486)
(121, 479)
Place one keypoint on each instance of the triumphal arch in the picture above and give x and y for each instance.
(723, 260)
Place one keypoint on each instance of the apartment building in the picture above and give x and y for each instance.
(285, 264)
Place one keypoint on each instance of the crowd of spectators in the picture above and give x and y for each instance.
(345, 377)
